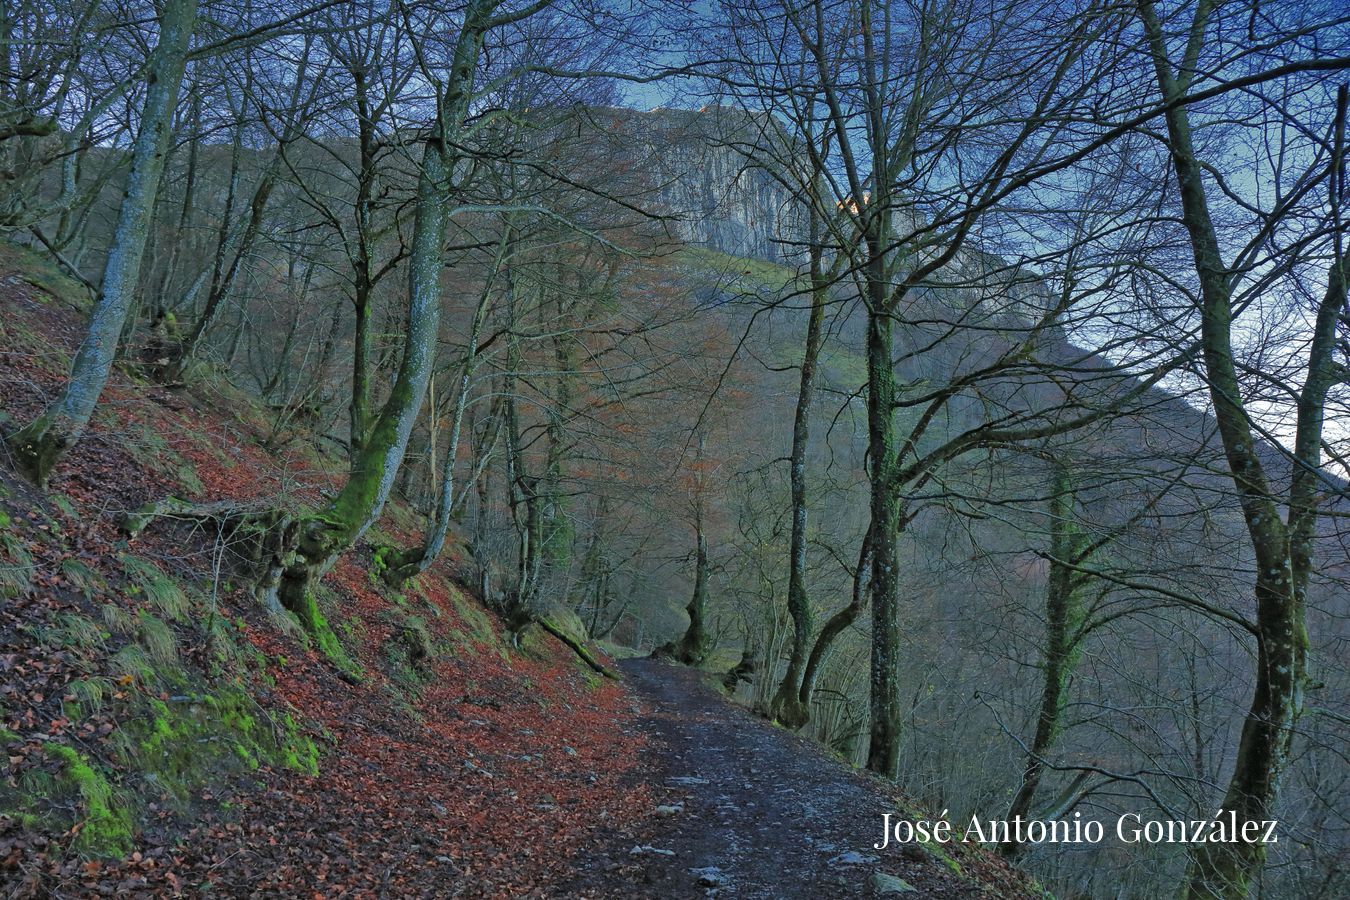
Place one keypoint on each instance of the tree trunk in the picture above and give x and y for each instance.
(323, 537)
(38, 446)
(1062, 617)
(223, 277)
(693, 648)
(837, 623)
(1227, 870)
(336, 529)
(883, 753)
(787, 706)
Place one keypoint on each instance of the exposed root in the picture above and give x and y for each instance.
(577, 647)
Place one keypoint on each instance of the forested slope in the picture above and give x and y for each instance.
(164, 731)
(962, 387)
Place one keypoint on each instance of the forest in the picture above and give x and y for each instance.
(625, 448)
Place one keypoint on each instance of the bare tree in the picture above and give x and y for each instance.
(40, 444)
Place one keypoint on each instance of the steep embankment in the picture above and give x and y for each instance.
(164, 733)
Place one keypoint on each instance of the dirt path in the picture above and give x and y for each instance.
(750, 810)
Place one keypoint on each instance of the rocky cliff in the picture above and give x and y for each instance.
(717, 197)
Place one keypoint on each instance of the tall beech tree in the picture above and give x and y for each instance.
(39, 445)
(1283, 543)
(315, 541)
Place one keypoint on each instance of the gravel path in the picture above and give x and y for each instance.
(750, 810)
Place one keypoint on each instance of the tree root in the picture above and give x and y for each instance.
(225, 512)
(577, 647)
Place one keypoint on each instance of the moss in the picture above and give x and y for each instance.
(408, 648)
(181, 745)
(478, 631)
(379, 561)
(186, 475)
(946, 858)
(316, 625)
(106, 826)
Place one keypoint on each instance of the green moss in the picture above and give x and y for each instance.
(408, 649)
(947, 860)
(181, 745)
(379, 560)
(106, 826)
(186, 475)
(304, 607)
(478, 631)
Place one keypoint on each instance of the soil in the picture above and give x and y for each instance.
(749, 809)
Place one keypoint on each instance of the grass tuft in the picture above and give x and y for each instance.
(162, 592)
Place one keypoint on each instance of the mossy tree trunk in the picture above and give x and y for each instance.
(1063, 616)
(557, 528)
(883, 752)
(334, 530)
(1283, 549)
(321, 538)
(38, 446)
(694, 646)
(787, 705)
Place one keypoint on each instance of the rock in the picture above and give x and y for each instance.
(852, 858)
(568, 751)
(670, 809)
(889, 884)
(642, 849)
(687, 779)
(711, 876)
(439, 809)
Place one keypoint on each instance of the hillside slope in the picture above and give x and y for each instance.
(163, 731)
(166, 735)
